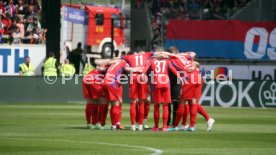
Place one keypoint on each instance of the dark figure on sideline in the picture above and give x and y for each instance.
(75, 57)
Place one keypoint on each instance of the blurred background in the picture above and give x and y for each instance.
(234, 38)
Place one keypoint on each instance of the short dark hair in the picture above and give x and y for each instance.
(51, 54)
(116, 52)
(79, 45)
(130, 52)
(123, 53)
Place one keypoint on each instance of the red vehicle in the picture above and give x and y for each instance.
(98, 37)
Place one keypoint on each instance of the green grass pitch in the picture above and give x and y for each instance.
(59, 129)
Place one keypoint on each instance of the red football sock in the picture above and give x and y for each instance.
(179, 114)
(103, 112)
(137, 113)
(165, 115)
(120, 114)
(111, 114)
(95, 108)
(115, 112)
(141, 112)
(147, 109)
(193, 113)
(186, 114)
(99, 114)
(88, 113)
(156, 115)
(201, 110)
(132, 113)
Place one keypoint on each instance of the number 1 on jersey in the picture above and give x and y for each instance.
(139, 60)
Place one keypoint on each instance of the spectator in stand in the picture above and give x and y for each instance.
(7, 23)
(21, 8)
(218, 13)
(20, 14)
(34, 24)
(194, 9)
(37, 37)
(1, 30)
(183, 13)
(10, 8)
(21, 26)
(16, 35)
(2, 7)
(30, 13)
(35, 4)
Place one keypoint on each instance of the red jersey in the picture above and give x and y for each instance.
(160, 69)
(137, 60)
(188, 57)
(182, 64)
(114, 72)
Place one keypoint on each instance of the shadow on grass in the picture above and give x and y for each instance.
(127, 128)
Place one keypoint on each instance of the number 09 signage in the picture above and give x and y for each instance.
(265, 46)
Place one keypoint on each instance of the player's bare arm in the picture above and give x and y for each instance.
(164, 53)
(191, 54)
(133, 69)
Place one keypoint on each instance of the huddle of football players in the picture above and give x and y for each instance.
(103, 86)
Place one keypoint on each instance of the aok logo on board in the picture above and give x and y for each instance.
(240, 93)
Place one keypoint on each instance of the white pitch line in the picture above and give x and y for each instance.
(155, 151)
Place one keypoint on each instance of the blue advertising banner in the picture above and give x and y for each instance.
(75, 15)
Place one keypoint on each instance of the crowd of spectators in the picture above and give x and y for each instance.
(20, 22)
(164, 10)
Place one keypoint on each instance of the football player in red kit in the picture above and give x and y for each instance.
(161, 88)
(113, 88)
(191, 92)
(92, 90)
(138, 89)
(189, 88)
(210, 121)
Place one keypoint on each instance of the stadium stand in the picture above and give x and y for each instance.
(164, 10)
(20, 22)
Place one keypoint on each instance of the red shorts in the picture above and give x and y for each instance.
(113, 93)
(162, 95)
(91, 91)
(190, 91)
(138, 90)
